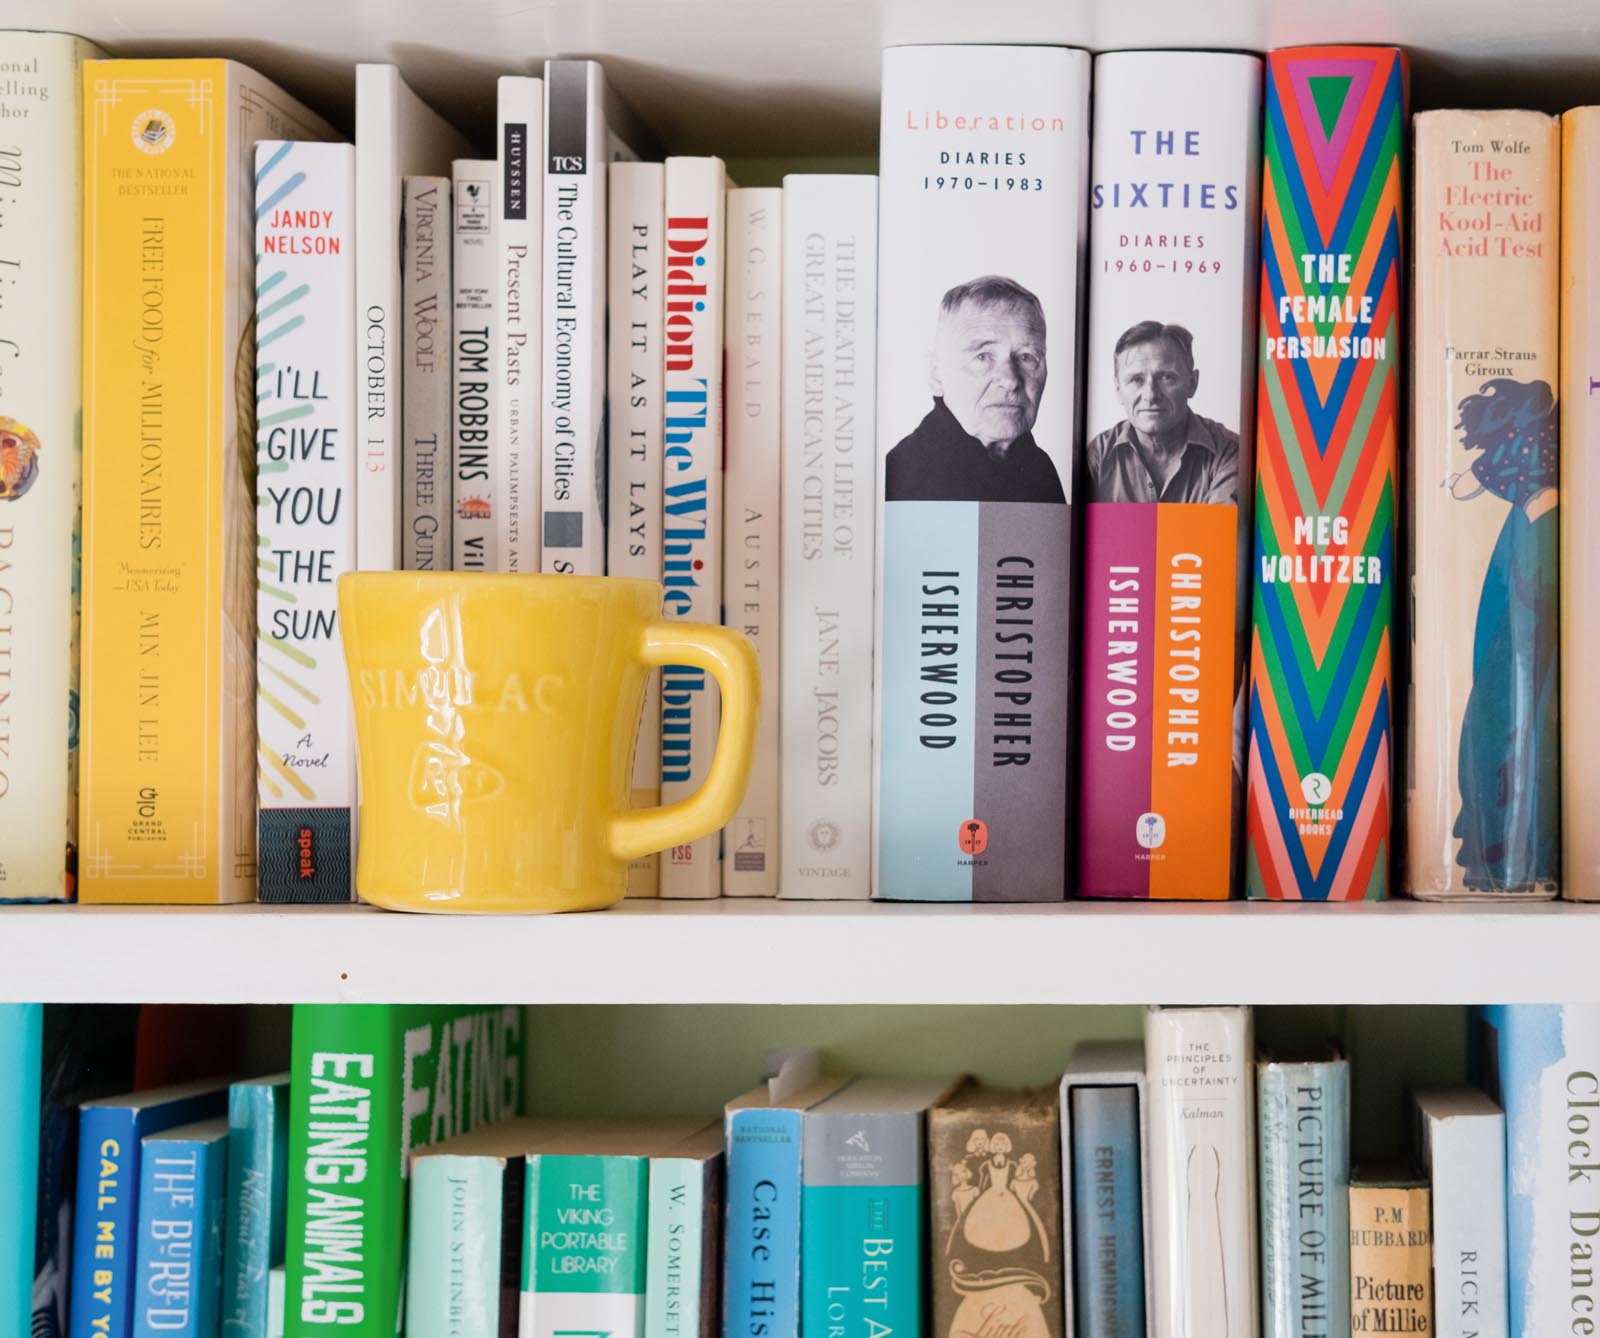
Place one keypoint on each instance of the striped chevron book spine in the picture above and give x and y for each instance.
(1321, 729)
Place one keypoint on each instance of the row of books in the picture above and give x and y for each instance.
(1127, 1198)
(988, 615)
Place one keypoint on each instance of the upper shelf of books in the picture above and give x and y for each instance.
(792, 78)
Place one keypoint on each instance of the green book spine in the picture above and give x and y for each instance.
(675, 1258)
(583, 1258)
(453, 1274)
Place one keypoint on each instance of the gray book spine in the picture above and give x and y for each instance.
(426, 299)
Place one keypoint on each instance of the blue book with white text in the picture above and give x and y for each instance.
(1107, 1266)
(258, 1152)
(177, 1283)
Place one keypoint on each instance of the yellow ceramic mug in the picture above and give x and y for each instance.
(496, 718)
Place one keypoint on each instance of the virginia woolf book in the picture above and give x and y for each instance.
(752, 479)
(473, 429)
(1391, 1257)
(514, 452)
(695, 251)
(634, 370)
(41, 392)
(1318, 795)
(427, 347)
(183, 1176)
(830, 286)
(981, 245)
(1170, 411)
(168, 776)
(1483, 808)
(397, 135)
(305, 517)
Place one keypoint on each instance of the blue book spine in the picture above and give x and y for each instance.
(1107, 1212)
(182, 1199)
(761, 1273)
(21, 1058)
(258, 1152)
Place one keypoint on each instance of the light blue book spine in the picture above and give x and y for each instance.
(1107, 1213)
(21, 1057)
(453, 1273)
(182, 1200)
(258, 1151)
(862, 1225)
(673, 1258)
(1303, 1114)
(761, 1274)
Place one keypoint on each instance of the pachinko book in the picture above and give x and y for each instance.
(1170, 401)
(1319, 793)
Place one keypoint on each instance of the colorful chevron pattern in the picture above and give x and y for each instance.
(1321, 733)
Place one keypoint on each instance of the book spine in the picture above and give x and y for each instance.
(751, 505)
(513, 1219)
(379, 171)
(257, 1153)
(1171, 377)
(761, 1257)
(515, 450)
(634, 369)
(453, 1275)
(106, 1220)
(830, 233)
(1391, 1260)
(305, 518)
(1467, 1173)
(675, 1257)
(692, 493)
(1483, 804)
(1304, 1150)
(178, 1274)
(1318, 797)
(575, 1278)
(1202, 1171)
(1107, 1268)
(473, 428)
(974, 549)
(41, 393)
(21, 1072)
(427, 305)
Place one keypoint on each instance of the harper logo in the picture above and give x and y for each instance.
(1151, 831)
(19, 458)
(154, 132)
(823, 835)
(973, 836)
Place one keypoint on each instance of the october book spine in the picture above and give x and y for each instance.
(305, 518)
(634, 371)
(1391, 1259)
(1107, 1267)
(559, 1297)
(427, 297)
(453, 1273)
(1319, 791)
(515, 449)
(473, 425)
(1483, 804)
(761, 1258)
(1172, 283)
(695, 254)
(258, 1148)
(751, 507)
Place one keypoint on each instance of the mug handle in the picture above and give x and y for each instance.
(729, 658)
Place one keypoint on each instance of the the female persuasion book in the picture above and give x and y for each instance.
(981, 242)
(41, 390)
(1170, 414)
(305, 517)
(1483, 815)
(1319, 792)
(476, 286)
(426, 352)
(514, 452)
(168, 775)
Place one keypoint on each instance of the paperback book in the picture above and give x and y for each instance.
(427, 347)
(474, 339)
(182, 1192)
(514, 452)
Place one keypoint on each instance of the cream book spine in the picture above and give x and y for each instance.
(427, 318)
(514, 453)
(473, 427)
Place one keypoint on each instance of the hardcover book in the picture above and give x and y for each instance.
(1391, 1257)
(41, 394)
(514, 452)
(981, 232)
(683, 1271)
(1170, 408)
(21, 1069)
(305, 518)
(427, 350)
(1484, 800)
(752, 503)
(258, 1152)
(182, 1191)
(168, 795)
(1318, 799)
(474, 253)
(830, 232)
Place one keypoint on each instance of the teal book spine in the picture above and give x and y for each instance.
(21, 1060)
(583, 1256)
(258, 1153)
(683, 1261)
(862, 1225)
(1107, 1213)
(182, 1198)
(453, 1271)
(1303, 1114)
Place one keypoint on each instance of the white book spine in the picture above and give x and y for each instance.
(305, 517)
(1466, 1158)
(1200, 1064)
(752, 477)
(830, 286)
(427, 302)
(634, 371)
(692, 492)
(515, 450)
(41, 391)
(474, 364)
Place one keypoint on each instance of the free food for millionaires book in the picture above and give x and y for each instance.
(1319, 793)
(980, 247)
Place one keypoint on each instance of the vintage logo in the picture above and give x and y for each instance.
(154, 132)
(19, 459)
(823, 835)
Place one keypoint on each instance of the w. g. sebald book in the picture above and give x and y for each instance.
(683, 1270)
(305, 517)
(514, 452)
(258, 1154)
(183, 1176)
(1170, 413)
(981, 240)
(830, 281)
(1483, 803)
(752, 479)
(41, 392)
(691, 532)
(427, 350)
(1319, 793)
(1391, 1256)
(474, 337)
